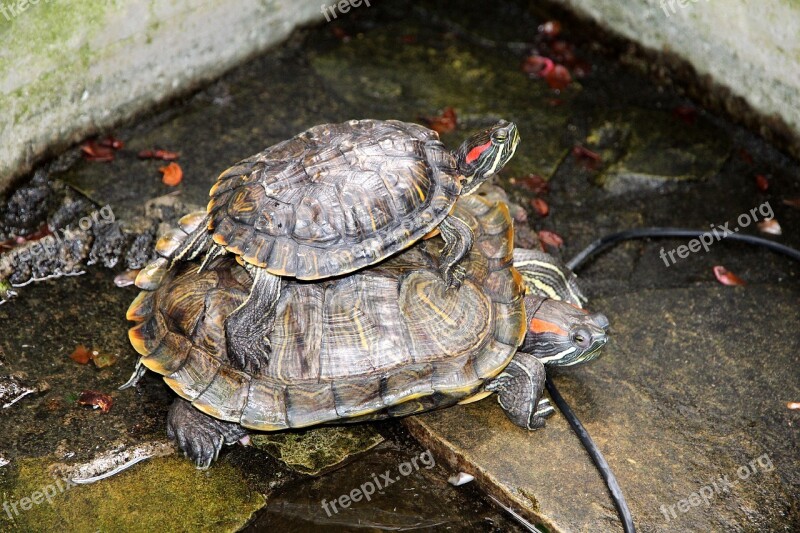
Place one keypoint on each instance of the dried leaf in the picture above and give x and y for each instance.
(589, 160)
(532, 182)
(173, 174)
(770, 226)
(551, 238)
(538, 66)
(726, 277)
(111, 142)
(97, 400)
(540, 206)
(444, 123)
(103, 360)
(164, 155)
(793, 405)
(792, 202)
(762, 183)
(550, 29)
(93, 151)
(558, 78)
(81, 355)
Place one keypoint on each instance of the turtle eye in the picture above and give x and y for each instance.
(500, 136)
(582, 338)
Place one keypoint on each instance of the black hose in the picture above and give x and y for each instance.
(597, 457)
(577, 262)
(647, 233)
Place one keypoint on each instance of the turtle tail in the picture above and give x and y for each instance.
(187, 241)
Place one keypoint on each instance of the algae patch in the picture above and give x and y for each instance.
(145, 498)
(314, 451)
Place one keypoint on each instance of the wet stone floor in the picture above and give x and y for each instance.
(689, 401)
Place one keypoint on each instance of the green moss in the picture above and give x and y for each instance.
(161, 494)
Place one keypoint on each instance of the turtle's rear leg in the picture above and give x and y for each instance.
(519, 387)
(247, 329)
(187, 241)
(458, 240)
(199, 436)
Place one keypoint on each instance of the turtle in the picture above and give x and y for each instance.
(387, 341)
(329, 201)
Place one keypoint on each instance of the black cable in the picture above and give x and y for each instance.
(645, 233)
(596, 455)
(578, 261)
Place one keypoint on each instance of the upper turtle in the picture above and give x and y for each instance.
(339, 197)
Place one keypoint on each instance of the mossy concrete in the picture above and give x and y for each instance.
(69, 69)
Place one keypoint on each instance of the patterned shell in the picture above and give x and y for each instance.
(387, 341)
(334, 198)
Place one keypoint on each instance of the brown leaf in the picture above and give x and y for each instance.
(81, 355)
(793, 405)
(103, 360)
(558, 78)
(762, 183)
(792, 202)
(532, 182)
(770, 226)
(540, 206)
(164, 155)
(444, 123)
(589, 160)
(97, 400)
(111, 142)
(551, 238)
(538, 66)
(726, 277)
(173, 174)
(92, 151)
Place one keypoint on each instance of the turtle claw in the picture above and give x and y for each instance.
(543, 411)
(454, 276)
(199, 436)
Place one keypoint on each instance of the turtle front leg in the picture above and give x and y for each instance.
(458, 239)
(247, 329)
(199, 436)
(519, 389)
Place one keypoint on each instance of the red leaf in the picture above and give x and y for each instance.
(532, 182)
(551, 238)
(541, 207)
(558, 78)
(550, 29)
(111, 142)
(563, 52)
(589, 159)
(762, 183)
(444, 123)
(726, 277)
(792, 202)
(173, 174)
(164, 155)
(538, 66)
(98, 400)
(81, 355)
(92, 151)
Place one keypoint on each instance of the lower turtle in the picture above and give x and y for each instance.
(388, 341)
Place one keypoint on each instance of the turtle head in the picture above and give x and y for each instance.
(485, 153)
(562, 334)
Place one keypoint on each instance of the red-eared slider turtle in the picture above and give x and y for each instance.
(387, 341)
(329, 201)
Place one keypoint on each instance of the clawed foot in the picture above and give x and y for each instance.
(543, 411)
(199, 436)
(249, 351)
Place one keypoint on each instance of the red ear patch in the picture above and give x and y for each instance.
(476, 152)
(542, 326)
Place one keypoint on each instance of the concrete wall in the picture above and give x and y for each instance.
(69, 68)
(752, 47)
